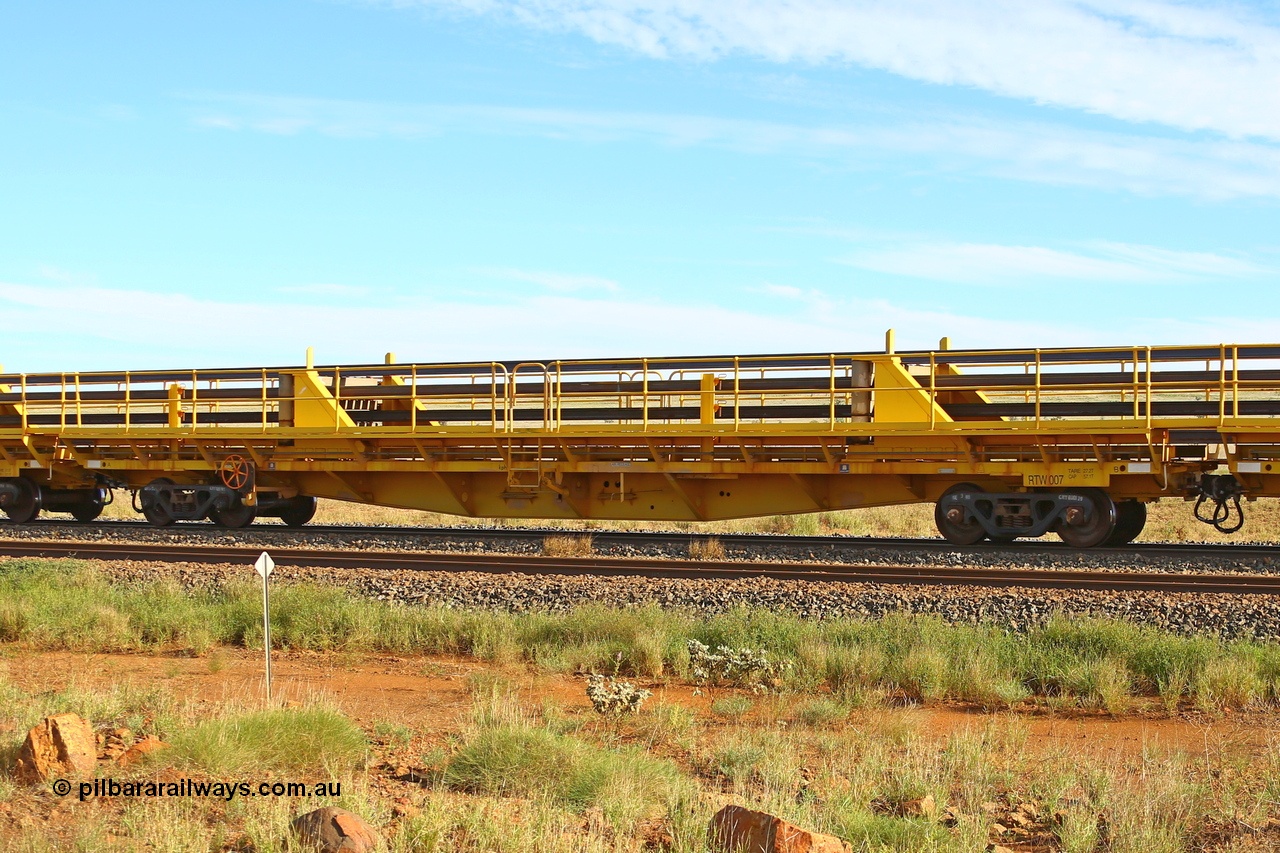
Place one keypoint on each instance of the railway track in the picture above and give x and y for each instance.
(736, 541)
(1236, 583)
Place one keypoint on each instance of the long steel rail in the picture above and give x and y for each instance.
(764, 542)
(1241, 584)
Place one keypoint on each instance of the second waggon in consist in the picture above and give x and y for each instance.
(1006, 443)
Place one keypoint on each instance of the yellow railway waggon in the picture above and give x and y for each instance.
(1006, 443)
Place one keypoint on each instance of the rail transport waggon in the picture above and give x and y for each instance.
(1006, 443)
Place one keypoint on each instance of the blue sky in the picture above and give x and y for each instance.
(225, 183)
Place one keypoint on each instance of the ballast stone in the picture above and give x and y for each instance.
(59, 746)
(735, 829)
(334, 830)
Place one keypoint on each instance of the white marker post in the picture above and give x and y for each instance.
(265, 565)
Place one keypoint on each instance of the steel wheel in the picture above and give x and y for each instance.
(1099, 527)
(27, 506)
(301, 509)
(236, 517)
(959, 530)
(1131, 517)
(88, 511)
(155, 513)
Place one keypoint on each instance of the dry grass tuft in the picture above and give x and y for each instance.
(567, 546)
(706, 549)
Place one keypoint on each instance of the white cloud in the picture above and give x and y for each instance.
(322, 289)
(1027, 151)
(57, 274)
(557, 282)
(94, 328)
(1194, 66)
(782, 291)
(987, 263)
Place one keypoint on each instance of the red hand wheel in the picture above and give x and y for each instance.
(235, 471)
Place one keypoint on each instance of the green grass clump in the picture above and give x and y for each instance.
(821, 712)
(732, 707)
(285, 739)
(522, 760)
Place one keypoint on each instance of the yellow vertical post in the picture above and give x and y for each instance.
(737, 394)
(707, 409)
(888, 341)
(1137, 389)
(175, 406)
(1235, 381)
(311, 357)
(1038, 389)
(1222, 384)
(933, 388)
(1150, 401)
(644, 394)
(944, 344)
(832, 400)
(195, 399)
(389, 358)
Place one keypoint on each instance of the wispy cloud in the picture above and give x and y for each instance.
(322, 289)
(116, 328)
(978, 263)
(1037, 152)
(554, 281)
(49, 272)
(781, 291)
(1194, 66)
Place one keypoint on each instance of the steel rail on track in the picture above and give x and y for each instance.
(737, 540)
(1241, 584)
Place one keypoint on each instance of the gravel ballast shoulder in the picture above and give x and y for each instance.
(1226, 616)
(832, 550)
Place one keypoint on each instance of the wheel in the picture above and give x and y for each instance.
(89, 510)
(236, 517)
(301, 509)
(1099, 527)
(236, 472)
(155, 512)
(1131, 517)
(27, 506)
(958, 530)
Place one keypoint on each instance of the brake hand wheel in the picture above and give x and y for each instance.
(235, 472)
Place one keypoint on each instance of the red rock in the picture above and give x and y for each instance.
(141, 750)
(334, 830)
(921, 807)
(59, 746)
(735, 829)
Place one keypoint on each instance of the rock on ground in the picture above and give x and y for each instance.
(141, 750)
(58, 746)
(334, 830)
(735, 829)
